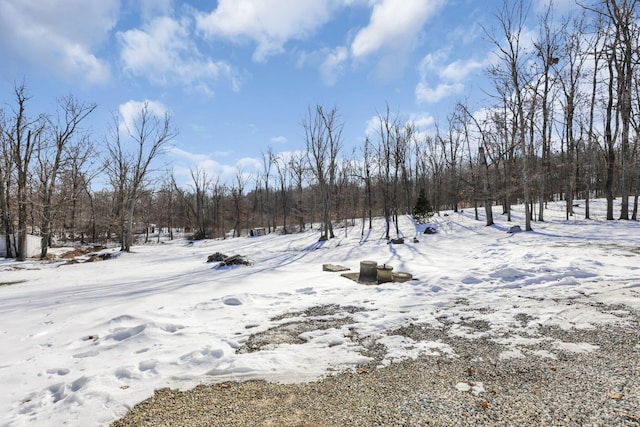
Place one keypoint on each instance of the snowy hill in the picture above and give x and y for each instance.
(84, 342)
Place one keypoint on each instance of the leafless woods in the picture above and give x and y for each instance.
(562, 122)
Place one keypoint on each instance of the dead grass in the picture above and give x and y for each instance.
(15, 282)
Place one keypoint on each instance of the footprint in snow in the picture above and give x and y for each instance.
(58, 371)
(232, 301)
(86, 354)
(147, 365)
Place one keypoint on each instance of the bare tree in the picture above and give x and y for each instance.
(597, 54)
(482, 164)
(405, 136)
(237, 192)
(167, 201)
(149, 136)
(572, 75)
(24, 137)
(281, 165)
(218, 193)
(367, 184)
(6, 173)
(434, 168)
(635, 124)
(616, 25)
(201, 183)
(77, 177)
(298, 167)
(54, 156)
(451, 149)
(610, 116)
(511, 73)
(118, 164)
(546, 48)
(623, 16)
(323, 131)
(384, 155)
(268, 159)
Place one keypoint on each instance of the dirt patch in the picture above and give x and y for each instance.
(318, 318)
(227, 261)
(80, 251)
(15, 282)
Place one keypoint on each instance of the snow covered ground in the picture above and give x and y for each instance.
(82, 343)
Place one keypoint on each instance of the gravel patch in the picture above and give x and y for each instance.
(291, 331)
(561, 378)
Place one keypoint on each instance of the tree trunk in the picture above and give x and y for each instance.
(6, 220)
(486, 193)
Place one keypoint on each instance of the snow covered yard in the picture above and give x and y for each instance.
(83, 343)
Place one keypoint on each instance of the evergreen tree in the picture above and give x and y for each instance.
(422, 211)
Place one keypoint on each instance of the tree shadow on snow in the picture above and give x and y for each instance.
(315, 246)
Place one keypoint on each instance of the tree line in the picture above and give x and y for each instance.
(47, 164)
(561, 122)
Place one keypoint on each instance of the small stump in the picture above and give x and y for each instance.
(368, 271)
(385, 273)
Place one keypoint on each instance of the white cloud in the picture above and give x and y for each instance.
(58, 35)
(432, 62)
(440, 79)
(373, 126)
(226, 174)
(163, 52)
(468, 34)
(249, 164)
(268, 23)
(130, 112)
(393, 25)
(185, 161)
(152, 8)
(459, 70)
(425, 93)
(392, 31)
(279, 140)
(333, 65)
(288, 156)
(422, 121)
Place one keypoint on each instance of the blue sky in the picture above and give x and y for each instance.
(237, 76)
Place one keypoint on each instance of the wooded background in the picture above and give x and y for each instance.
(561, 122)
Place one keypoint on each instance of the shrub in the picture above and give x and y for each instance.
(422, 211)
